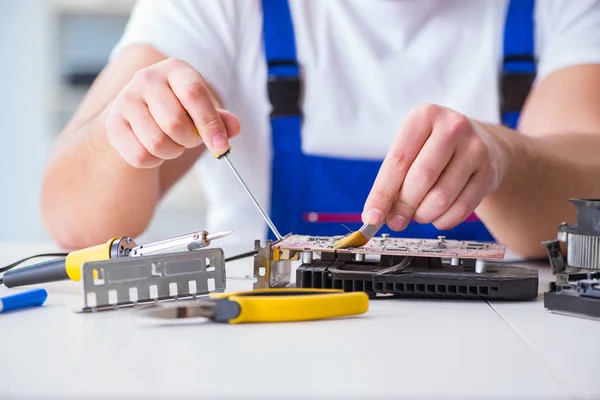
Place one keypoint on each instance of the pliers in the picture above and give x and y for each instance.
(264, 305)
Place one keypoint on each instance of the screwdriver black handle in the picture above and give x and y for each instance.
(48, 271)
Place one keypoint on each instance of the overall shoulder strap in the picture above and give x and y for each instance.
(280, 52)
(284, 88)
(519, 63)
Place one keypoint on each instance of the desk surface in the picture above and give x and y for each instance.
(400, 348)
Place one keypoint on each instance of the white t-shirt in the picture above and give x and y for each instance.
(365, 63)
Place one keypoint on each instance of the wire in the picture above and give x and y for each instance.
(243, 255)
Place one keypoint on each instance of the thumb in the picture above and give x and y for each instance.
(231, 122)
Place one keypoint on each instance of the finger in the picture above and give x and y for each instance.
(468, 200)
(191, 90)
(151, 136)
(448, 187)
(421, 176)
(399, 215)
(449, 131)
(406, 146)
(123, 140)
(232, 123)
(171, 117)
(426, 169)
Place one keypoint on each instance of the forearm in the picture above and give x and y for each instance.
(142, 125)
(90, 193)
(543, 174)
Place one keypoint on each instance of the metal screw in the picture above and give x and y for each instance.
(480, 266)
(128, 240)
(307, 257)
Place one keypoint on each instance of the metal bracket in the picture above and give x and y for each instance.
(555, 256)
(268, 272)
(131, 281)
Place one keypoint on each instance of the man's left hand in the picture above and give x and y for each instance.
(440, 167)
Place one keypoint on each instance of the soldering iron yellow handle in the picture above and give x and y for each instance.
(75, 259)
(58, 269)
(291, 304)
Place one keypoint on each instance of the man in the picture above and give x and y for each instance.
(348, 84)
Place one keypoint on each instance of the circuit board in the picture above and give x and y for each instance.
(398, 246)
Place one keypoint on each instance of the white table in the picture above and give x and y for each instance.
(400, 348)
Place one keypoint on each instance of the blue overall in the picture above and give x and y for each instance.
(315, 195)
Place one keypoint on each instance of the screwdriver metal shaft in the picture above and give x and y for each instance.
(256, 203)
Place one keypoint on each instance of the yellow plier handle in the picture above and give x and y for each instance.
(287, 305)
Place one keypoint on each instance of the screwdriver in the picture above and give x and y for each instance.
(225, 156)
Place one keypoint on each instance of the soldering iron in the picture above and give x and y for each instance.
(69, 267)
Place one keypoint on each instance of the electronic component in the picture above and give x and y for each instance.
(576, 289)
(440, 247)
(404, 267)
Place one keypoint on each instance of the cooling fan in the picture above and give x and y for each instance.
(576, 289)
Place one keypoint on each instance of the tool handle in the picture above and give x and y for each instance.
(77, 258)
(31, 298)
(48, 271)
(289, 308)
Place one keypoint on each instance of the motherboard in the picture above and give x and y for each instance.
(440, 247)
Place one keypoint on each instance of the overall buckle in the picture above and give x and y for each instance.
(515, 86)
(284, 91)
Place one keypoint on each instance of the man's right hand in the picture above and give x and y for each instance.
(165, 109)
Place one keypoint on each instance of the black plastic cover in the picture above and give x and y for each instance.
(579, 296)
(572, 303)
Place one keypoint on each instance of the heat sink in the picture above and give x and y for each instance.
(583, 251)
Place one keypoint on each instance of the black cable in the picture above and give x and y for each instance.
(243, 255)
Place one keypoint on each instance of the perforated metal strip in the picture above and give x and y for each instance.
(129, 281)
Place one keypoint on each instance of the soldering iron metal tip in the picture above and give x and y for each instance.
(218, 235)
